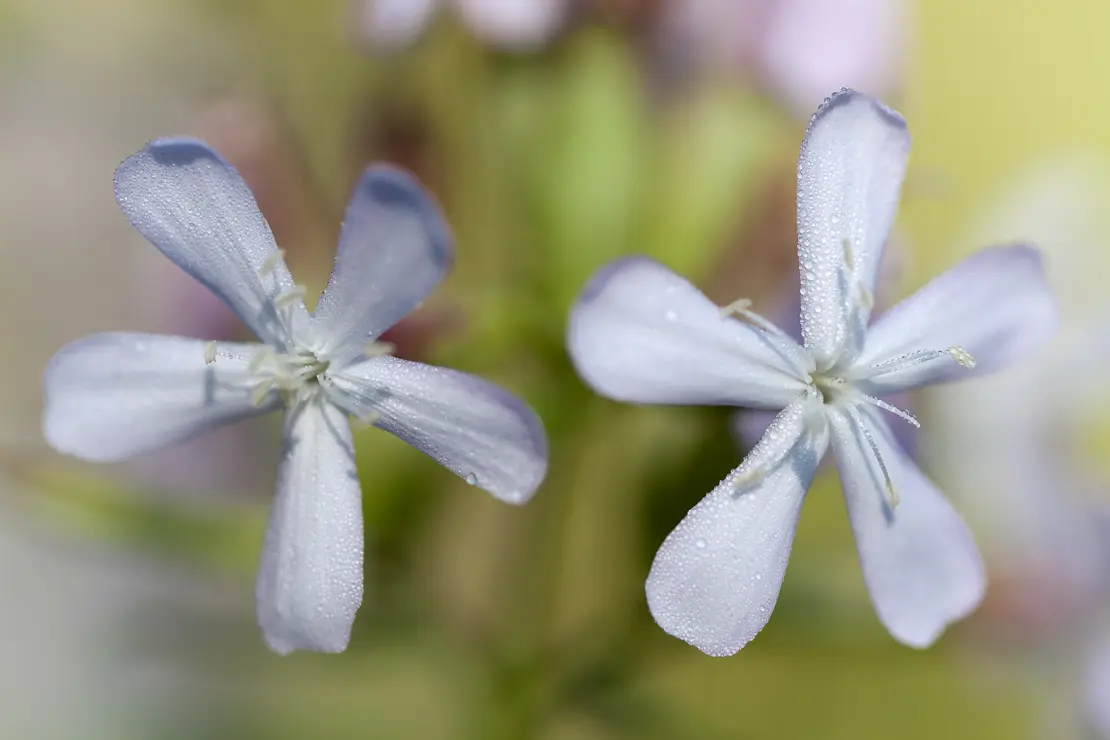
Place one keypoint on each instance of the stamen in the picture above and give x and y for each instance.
(378, 349)
(367, 420)
(271, 263)
(264, 355)
(290, 296)
(866, 299)
(959, 354)
(209, 353)
(892, 409)
(962, 356)
(742, 309)
(892, 492)
(752, 475)
(849, 255)
(260, 391)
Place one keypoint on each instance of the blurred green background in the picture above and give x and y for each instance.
(666, 127)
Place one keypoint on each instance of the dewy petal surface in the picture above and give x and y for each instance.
(996, 304)
(310, 580)
(111, 396)
(192, 205)
(644, 334)
(717, 576)
(850, 174)
(919, 560)
(394, 249)
(475, 429)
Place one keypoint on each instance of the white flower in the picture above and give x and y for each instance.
(643, 334)
(111, 396)
(516, 25)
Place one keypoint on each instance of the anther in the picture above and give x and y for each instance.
(741, 309)
(271, 263)
(959, 354)
(367, 420)
(752, 475)
(962, 356)
(378, 349)
(892, 492)
(289, 296)
(209, 353)
(849, 254)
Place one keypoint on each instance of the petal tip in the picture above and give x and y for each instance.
(846, 97)
(398, 188)
(677, 623)
(603, 277)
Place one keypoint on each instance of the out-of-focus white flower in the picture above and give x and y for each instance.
(801, 49)
(111, 396)
(515, 25)
(641, 333)
(1042, 509)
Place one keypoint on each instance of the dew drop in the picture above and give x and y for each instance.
(472, 479)
(700, 544)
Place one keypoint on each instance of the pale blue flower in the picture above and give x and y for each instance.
(641, 333)
(112, 396)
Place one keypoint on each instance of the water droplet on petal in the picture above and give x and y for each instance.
(472, 479)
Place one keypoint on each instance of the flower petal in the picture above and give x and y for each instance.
(919, 560)
(642, 333)
(310, 580)
(394, 249)
(850, 174)
(523, 25)
(996, 305)
(192, 205)
(392, 25)
(717, 576)
(112, 396)
(472, 427)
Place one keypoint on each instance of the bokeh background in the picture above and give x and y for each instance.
(558, 135)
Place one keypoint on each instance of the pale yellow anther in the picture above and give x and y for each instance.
(895, 498)
(378, 349)
(739, 307)
(962, 356)
(752, 475)
(288, 297)
(271, 263)
(209, 353)
(866, 299)
(849, 254)
(366, 421)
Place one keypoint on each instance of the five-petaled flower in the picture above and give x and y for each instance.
(111, 396)
(641, 333)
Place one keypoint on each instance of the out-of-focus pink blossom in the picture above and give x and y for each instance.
(513, 25)
(799, 49)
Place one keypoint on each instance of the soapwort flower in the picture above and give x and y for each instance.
(521, 25)
(112, 396)
(642, 334)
